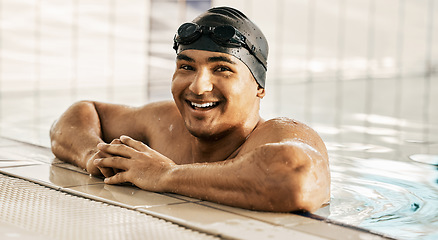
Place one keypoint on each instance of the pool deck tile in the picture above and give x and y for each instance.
(224, 224)
(129, 196)
(335, 231)
(23, 151)
(283, 219)
(15, 163)
(51, 176)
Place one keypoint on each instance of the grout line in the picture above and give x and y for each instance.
(140, 207)
(40, 182)
(24, 165)
(183, 223)
(21, 142)
(181, 197)
(306, 215)
(79, 170)
(94, 197)
(337, 223)
(242, 215)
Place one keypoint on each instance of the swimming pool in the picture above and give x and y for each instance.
(376, 114)
(384, 166)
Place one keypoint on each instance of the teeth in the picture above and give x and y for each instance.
(203, 105)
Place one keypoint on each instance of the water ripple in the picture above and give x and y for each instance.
(393, 197)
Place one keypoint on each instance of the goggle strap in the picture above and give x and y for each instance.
(244, 42)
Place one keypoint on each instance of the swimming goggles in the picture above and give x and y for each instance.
(225, 35)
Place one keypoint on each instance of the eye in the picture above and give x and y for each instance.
(186, 67)
(223, 69)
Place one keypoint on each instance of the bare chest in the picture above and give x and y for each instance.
(174, 143)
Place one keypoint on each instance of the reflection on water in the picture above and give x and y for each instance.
(397, 198)
(425, 158)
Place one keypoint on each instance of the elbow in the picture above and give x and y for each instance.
(66, 125)
(298, 179)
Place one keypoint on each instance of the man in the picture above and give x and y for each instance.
(210, 142)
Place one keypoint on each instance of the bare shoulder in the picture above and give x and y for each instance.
(137, 122)
(158, 110)
(157, 116)
(295, 155)
(284, 130)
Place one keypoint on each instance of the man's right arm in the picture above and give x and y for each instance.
(75, 135)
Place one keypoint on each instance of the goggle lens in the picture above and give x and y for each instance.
(224, 35)
(188, 33)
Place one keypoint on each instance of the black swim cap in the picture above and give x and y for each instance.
(214, 31)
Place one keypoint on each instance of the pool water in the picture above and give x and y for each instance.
(388, 196)
(384, 166)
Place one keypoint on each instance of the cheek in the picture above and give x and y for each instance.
(177, 90)
(244, 100)
(244, 92)
(177, 86)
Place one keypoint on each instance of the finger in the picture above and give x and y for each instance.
(116, 179)
(117, 149)
(116, 141)
(101, 154)
(112, 162)
(137, 145)
(107, 172)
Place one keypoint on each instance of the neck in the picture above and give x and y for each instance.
(223, 147)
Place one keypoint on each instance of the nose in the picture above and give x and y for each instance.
(202, 82)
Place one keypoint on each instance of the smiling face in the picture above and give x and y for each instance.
(215, 93)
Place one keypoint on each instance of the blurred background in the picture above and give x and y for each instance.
(363, 66)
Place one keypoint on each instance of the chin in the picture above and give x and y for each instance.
(207, 135)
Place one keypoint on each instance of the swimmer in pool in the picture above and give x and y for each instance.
(210, 142)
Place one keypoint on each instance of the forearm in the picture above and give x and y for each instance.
(281, 177)
(221, 183)
(271, 178)
(75, 135)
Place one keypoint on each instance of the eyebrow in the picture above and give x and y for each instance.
(220, 59)
(184, 57)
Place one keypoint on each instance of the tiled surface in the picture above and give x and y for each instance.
(226, 224)
(38, 164)
(127, 195)
(283, 219)
(51, 176)
(30, 152)
(30, 210)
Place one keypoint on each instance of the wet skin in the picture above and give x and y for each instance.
(209, 143)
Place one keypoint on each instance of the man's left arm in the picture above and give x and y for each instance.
(287, 175)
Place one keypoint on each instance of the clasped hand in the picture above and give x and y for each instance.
(135, 162)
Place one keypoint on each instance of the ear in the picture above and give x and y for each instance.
(260, 92)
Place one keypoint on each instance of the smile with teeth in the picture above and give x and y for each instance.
(203, 105)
